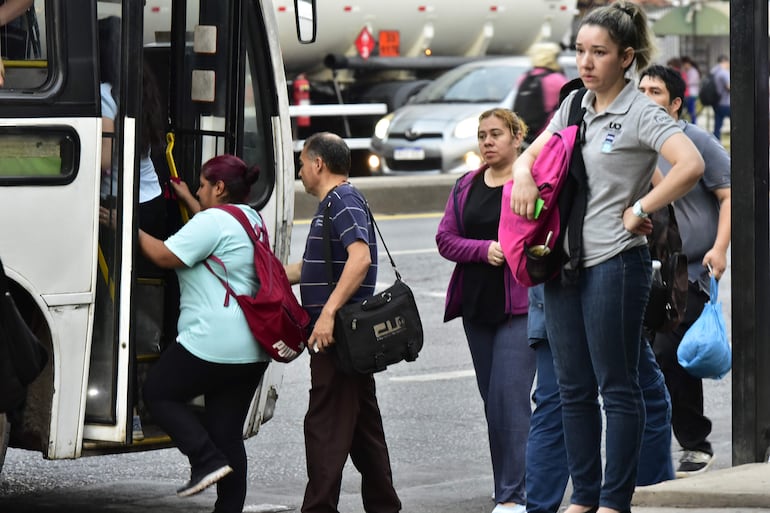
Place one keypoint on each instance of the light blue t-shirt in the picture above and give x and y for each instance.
(208, 329)
(149, 186)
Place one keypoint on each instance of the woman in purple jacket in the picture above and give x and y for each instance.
(493, 307)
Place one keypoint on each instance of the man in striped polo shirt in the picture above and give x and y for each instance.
(343, 416)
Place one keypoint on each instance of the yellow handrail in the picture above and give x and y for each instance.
(173, 172)
(106, 273)
(39, 63)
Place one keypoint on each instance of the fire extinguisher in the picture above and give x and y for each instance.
(302, 97)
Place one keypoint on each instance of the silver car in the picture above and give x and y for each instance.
(436, 131)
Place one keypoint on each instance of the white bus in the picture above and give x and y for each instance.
(80, 285)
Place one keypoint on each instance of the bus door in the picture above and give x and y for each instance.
(227, 94)
(220, 89)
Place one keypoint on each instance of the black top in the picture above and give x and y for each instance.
(483, 284)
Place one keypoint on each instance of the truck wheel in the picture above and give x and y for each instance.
(5, 432)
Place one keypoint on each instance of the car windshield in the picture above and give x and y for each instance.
(472, 84)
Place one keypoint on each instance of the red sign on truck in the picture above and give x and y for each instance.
(365, 43)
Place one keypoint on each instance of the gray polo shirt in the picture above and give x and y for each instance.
(620, 153)
(697, 212)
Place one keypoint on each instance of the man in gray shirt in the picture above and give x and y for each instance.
(703, 216)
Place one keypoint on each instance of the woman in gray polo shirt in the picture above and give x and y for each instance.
(594, 320)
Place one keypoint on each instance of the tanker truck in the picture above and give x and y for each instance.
(370, 56)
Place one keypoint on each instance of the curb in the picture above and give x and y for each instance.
(744, 486)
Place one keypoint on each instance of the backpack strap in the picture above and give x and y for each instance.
(577, 172)
(257, 237)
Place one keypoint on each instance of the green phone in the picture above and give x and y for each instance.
(538, 207)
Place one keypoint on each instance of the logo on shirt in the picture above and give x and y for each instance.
(613, 128)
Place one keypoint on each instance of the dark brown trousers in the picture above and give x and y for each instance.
(343, 419)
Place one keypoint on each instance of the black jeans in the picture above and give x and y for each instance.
(217, 438)
(691, 426)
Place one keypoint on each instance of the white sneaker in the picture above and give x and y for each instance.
(694, 462)
(516, 508)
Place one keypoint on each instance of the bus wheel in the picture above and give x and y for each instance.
(5, 432)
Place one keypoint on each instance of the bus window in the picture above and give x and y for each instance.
(37, 155)
(23, 48)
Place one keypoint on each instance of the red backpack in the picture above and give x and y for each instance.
(523, 241)
(275, 317)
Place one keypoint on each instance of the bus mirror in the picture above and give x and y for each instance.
(305, 12)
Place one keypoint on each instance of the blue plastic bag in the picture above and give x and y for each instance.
(704, 351)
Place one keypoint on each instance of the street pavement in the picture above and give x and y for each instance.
(745, 488)
(724, 489)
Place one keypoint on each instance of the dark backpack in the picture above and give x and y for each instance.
(275, 317)
(709, 93)
(668, 295)
(529, 104)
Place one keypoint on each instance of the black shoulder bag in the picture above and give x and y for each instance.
(378, 331)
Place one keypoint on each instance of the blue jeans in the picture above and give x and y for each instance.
(505, 370)
(547, 472)
(720, 113)
(595, 328)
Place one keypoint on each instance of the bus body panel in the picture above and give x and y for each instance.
(59, 221)
(52, 249)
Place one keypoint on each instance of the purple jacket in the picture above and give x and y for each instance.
(453, 245)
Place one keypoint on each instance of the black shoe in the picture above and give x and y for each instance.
(199, 482)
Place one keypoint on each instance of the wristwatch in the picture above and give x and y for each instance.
(637, 210)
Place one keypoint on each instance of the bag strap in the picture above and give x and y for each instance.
(240, 216)
(577, 171)
(328, 243)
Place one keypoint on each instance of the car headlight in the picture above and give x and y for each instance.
(472, 160)
(381, 128)
(467, 128)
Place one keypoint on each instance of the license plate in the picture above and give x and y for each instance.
(409, 154)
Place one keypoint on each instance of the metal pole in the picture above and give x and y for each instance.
(750, 244)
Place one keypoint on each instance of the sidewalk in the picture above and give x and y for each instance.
(735, 489)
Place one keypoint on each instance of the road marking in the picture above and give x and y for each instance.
(266, 508)
(436, 376)
(409, 252)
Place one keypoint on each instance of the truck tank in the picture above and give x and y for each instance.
(444, 28)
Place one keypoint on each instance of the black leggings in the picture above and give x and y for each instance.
(217, 438)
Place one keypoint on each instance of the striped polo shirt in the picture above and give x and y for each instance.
(350, 222)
